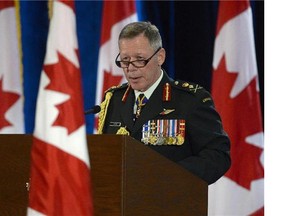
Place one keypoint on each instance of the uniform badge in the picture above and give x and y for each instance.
(124, 98)
(166, 92)
(207, 99)
(123, 131)
(166, 111)
(115, 124)
(164, 132)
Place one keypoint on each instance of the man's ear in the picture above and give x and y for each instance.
(161, 56)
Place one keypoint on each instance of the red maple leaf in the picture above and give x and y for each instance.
(241, 118)
(65, 78)
(110, 80)
(7, 100)
(6, 4)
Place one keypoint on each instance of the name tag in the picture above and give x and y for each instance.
(115, 124)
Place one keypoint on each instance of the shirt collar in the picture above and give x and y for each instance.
(149, 91)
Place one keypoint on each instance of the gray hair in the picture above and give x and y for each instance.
(150, 31)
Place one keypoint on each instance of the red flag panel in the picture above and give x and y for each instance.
(236, 95)
(60, 172)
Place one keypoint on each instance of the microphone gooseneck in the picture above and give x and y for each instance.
(93, 110)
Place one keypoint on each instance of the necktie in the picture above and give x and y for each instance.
(140, 102)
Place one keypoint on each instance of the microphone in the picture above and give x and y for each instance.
(93, 110)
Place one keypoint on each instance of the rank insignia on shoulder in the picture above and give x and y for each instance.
(194, 88)
(164, 132)
(191, 87)
(207, 99)
(166, 111)
(185, 85)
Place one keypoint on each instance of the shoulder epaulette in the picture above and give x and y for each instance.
(115, 88)
(186, 86)
(193, 88)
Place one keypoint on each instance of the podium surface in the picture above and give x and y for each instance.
(128, 178)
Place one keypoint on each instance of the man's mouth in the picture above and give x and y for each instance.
(134, 78)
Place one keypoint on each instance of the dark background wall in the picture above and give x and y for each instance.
(188, 30)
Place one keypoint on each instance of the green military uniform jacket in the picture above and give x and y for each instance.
(204, 151)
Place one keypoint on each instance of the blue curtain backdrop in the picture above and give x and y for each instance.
(187, 28)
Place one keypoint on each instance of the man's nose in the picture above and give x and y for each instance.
(131, 67)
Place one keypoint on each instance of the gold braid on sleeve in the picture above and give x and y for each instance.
(102, 115)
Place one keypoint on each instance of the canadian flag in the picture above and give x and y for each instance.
(60, 171)
(116, 14)
(11, 92)
(235, 90)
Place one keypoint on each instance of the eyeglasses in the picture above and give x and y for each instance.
(135, 63)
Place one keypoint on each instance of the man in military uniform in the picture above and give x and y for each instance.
(176, 119)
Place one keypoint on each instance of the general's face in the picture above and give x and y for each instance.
(138, 48)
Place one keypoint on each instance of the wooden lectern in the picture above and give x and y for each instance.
(128, 179)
